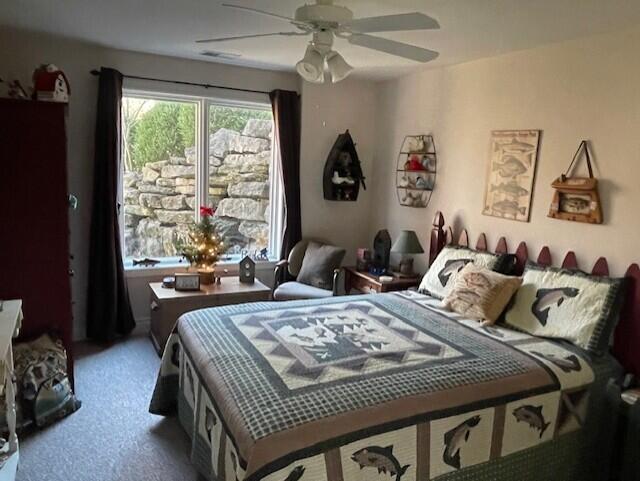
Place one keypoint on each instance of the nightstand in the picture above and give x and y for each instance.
(167, 304)
(625, 462)
(629, 439)
(369, 284)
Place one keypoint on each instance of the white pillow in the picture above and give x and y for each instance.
(440, 277)
(567, 304)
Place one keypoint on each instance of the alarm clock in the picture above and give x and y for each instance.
(187, 282)
(247, 270)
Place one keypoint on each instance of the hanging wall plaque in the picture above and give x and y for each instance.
(577, 198)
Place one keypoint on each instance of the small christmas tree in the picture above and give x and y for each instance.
(204, 247)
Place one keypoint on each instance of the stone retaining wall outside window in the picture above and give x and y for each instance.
(159, 200)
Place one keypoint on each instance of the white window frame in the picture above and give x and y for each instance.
(276, 191)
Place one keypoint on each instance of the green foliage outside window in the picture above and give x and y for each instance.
(157, 130)
(162, 132)
(233, 118)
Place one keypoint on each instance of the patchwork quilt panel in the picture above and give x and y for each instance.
(363, 388)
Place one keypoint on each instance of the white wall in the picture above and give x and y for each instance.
(583, 89)
(22, 51)
(329, 110)
(326, 112)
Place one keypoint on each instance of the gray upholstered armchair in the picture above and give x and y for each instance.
(314, 267)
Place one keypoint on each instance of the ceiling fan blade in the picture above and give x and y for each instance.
(392, 47)
(240, 37)
(394, 23)
(261, 12)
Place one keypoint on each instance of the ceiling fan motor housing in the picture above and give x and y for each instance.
(324, 16)
(324, 21)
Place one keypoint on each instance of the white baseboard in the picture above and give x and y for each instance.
(142, 326)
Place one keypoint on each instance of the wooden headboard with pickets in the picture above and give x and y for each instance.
(626, 346)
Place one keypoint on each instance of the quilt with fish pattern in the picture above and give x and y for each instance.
(363, 388)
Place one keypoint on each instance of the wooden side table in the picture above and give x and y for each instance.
(167, 304)
(370, 284)
(10, 322)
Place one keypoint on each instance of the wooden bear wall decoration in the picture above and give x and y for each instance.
(577, 198)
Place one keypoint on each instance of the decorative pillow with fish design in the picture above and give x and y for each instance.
(481, 294)
(567, 304)
(441, 275)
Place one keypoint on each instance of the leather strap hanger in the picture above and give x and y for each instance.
(582, 147)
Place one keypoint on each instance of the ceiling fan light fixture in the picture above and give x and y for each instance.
(311, 67)
(325, 21)
(338, 67)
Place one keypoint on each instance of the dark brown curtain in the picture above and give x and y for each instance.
(109, 311)
(286, 115)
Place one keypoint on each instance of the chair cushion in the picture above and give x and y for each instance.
(318, 265)
(296, 256)
(289, 291)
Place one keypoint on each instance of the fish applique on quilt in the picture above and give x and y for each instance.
(455, 439)
(532, 415)
(381, 459)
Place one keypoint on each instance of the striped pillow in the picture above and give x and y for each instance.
(481, 294)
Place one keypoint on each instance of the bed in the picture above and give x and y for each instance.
(381, 387)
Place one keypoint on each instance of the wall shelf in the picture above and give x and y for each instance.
(414, 186)
(342, 172)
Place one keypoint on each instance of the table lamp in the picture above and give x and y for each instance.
(406, 244)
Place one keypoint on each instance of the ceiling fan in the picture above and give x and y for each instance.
(324, 21)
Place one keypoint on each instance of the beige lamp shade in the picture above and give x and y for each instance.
(407, 243)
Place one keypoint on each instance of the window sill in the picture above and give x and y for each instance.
(170, 268)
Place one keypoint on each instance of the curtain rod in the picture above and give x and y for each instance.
(195, 84)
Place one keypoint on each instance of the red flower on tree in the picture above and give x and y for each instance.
(206, 211)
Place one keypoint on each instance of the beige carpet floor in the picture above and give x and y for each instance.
(113, 436)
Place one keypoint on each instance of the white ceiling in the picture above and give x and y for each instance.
(471, 29)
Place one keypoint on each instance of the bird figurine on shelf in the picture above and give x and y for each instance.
(421, 183)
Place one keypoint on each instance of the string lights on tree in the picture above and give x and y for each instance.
(204, 247)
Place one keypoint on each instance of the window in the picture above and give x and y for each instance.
(183, 152)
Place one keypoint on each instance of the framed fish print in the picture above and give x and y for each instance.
(511, 174)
